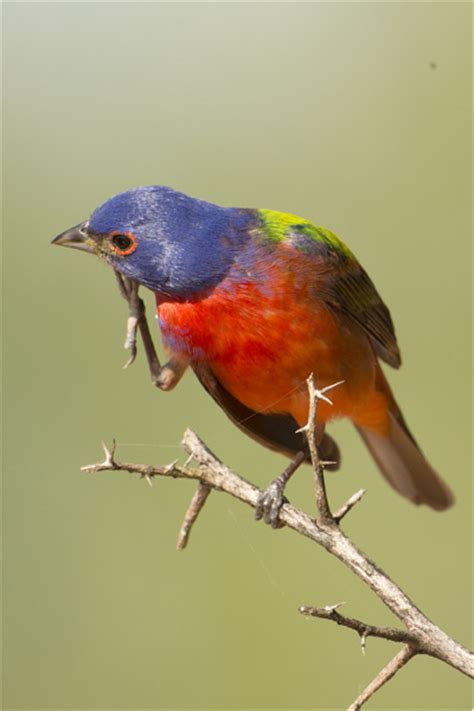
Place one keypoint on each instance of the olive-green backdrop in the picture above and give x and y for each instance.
(354, 115)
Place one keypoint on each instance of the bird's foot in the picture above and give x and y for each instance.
(272, 499)
(136, 311)
(171, 372)
(270, 502)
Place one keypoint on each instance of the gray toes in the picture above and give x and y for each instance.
(269, 504)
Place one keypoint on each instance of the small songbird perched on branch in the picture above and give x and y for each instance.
(254, 301)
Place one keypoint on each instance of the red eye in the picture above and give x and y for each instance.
(123, 242)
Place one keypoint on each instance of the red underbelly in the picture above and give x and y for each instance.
(263, 354)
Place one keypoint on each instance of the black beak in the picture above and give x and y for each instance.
(76, 237)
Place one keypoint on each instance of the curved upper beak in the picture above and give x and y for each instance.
(76, 237)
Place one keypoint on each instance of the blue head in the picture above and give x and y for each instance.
(174, 244)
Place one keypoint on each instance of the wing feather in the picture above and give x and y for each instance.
(353, 292)
(348, 287)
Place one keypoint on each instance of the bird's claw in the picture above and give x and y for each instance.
(136, 309)
(131, 339)
(269, 504)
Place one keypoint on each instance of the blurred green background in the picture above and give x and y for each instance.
(354, 115)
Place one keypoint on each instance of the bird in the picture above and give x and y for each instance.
(254, 301)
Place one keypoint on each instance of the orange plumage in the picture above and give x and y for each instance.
(255, 301)
(261, 337)
(262, 348)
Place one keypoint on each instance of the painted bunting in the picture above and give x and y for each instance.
(254, 301)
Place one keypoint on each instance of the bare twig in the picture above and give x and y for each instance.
(389, 671)
(362, 628)
(350, 503)
(193, 511)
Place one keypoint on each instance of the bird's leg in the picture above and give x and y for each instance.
(136, 312)
(163, 377)
(272, 499)
(137, 320)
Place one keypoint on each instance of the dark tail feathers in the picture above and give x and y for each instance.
(404, 466)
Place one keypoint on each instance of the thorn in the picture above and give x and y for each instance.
(169, 467)
(108, 463)
(331, 387)
(333, 608)
(327, 463)
(363, 639)
(302, 429)
(188, 461)
(147, 475)
(109, 454)
(319, 395)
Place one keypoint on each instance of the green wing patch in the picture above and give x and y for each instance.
(349, 287)
(281, 226)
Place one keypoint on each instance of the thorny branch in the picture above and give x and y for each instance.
(419, 636)
(330, 612)
(310, 430)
